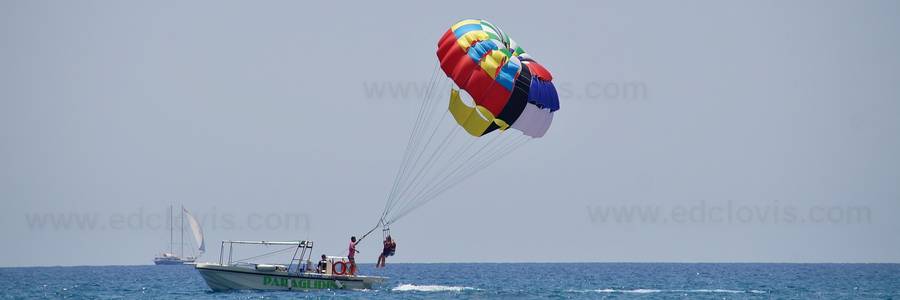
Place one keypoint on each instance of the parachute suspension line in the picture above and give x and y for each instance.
(454, 158)
(424, 185)
(411, 192)
(412, 134)
(443, 176)
(440, 149)
(424, 126)
(419, 183)
(464, 163)
(415, 132)
(422, 123)
(413, 164)
(436, 153)
(385, 232)
(426, 123)
(475, 163)
(473, 167)
(443, 184)
(484, 163)
(500, 153)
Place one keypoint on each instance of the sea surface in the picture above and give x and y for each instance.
(506, 280)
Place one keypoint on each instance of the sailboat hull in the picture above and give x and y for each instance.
(172, 261)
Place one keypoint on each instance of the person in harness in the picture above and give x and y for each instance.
(390, 246)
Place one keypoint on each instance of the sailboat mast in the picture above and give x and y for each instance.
(182, 231)
(171, 230)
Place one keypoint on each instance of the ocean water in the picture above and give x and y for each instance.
(508, 280)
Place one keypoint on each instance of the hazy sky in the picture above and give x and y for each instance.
(755, 130)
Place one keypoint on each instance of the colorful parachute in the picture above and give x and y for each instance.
(508, 87)
(494, 85)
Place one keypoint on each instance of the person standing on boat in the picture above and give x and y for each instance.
(352, 253)
(389, 247)
(323, 265)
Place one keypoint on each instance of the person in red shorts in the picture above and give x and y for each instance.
(351, 254)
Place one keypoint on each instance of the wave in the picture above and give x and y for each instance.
(635, 291)
(648, 291)
(430, 288)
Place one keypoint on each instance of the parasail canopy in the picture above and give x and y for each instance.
(506, 85)
(493, 85)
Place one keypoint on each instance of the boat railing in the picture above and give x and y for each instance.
(302, 251)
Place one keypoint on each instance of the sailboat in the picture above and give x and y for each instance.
(170, 257)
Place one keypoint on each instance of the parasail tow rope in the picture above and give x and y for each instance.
(380, 223)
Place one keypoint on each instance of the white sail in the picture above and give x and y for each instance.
(197, 230)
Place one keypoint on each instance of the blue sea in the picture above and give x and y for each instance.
(505, 280)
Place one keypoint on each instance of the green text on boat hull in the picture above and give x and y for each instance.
(295, 283)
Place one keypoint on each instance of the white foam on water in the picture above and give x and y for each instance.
(647, 291)
(721, 291)
(711, 291)
(430, 288)
(642, 291)
(635, 291)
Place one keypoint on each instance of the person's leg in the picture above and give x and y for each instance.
(352, 267)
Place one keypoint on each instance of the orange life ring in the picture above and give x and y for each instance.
(343, 268)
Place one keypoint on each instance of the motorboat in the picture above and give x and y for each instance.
(299, 274)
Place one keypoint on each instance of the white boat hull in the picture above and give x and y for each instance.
(173, 260)
(226, 278)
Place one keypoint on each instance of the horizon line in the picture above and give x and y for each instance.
(523, 262)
